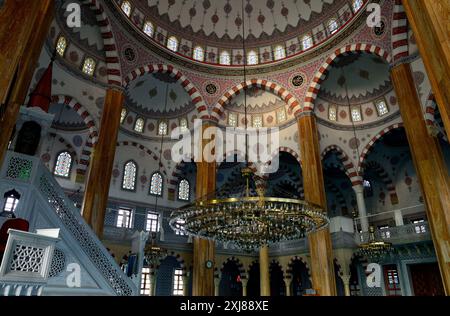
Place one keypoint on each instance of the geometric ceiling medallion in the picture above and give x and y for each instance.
(297, 80)
(211, 88)
(129, 54)
(378, 32)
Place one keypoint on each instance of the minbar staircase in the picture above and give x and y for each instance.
(77, 262)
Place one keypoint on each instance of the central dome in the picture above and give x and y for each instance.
(223, 21)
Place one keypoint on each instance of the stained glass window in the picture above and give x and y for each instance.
(332, 26)
(225, 58)
(123, 115)
(149, 29)
(307, 42)
(126, 8)
(162, 129)
(129, 176)
(156, 184)
(152, 223)
(61, 46)
(279, 52)
(178, 282)
(281, 115)
(252, 58)
(63, 165)
(332, 113)
(257, 122)
(184, 190)
(356, 114)
(89, 66)
(139, 125)
(199, 53)
(172, 43)
(184, 125)
(357, 4)
(382, 108)
(232, 119)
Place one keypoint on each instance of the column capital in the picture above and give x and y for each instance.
(305, 114)
(346, 278)
(359, 188)
(404, 60)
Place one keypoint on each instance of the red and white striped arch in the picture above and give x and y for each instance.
(89, 120)
(266, 85)
(313, 90)
(349, 167)
(109, 43)
(147, 151)
(384, 176)
(191, 90)
(430, 118)
(400, 47)
(372, 142)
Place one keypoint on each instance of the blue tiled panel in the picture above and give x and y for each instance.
(164, 278)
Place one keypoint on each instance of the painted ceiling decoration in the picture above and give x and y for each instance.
(88, 35)
(66, 118)
(223, 20)
(365, 76)
(258, 101)
(274, 30)
(147, 97)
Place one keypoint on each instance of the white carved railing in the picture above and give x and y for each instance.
(26, 263)
(399, 234)
(31, 170)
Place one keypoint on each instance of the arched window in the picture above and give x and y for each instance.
(123, 115)
(225, 58)
(156, 184)
(257, 122)
(184, 125)
(357, 4)
(382, 108)
(61, 46)
(232, 119)
(126, 8)
(332, 113)
(63, 165)
(307, 42)
(11, 201)
(184, 190)
(149, 28)
(199, 53)
(279, 52)
(162, 129)
(281, 115)
(172, 43)
(89, 66)
(129, 176)
(252, 58)
(139, 125)
(356, 114)
(333, 26)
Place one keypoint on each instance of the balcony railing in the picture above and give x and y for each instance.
(399, 234)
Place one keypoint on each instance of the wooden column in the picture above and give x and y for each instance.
(430, 166)
(23, 28)
(321, 251)
(264, 273)
(101, 163)
(204, 250)
(430, 22)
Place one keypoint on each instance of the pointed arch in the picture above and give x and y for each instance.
(109, 42)
(348, 165)
(240, 266)
(147, 151)
(263, 84)
(339, 196)
(68, 147)
(384, 176)
(314, 88)
(434, 125)
(371, 144)
(191, 90)
(89, 120)
(399, 32)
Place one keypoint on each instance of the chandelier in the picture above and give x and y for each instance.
(374, 249)
(249, 222)
(153, 253)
